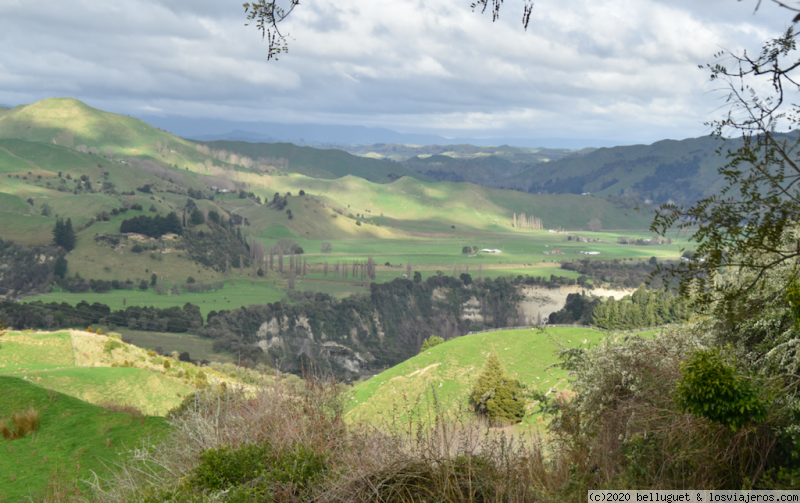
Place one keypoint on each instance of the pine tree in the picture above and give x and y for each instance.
(60, 268)
(497, 395)
(64, 235)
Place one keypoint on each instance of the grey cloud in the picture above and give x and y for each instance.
(591, 68)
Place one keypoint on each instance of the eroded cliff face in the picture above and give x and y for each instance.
(372, 332)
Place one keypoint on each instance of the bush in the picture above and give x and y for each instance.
(433, 340)
(23, 423)
(709, 387)
(111, 345)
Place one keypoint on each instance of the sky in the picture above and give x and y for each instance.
(622, 70)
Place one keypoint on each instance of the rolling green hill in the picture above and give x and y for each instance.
(681, 171)
(450, 370)
(74, 439)
(101, 369)
(485, 170)
(413, 205)
(318, 163)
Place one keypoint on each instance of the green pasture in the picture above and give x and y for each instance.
(25, 228)
(449, 372)
(457, 204)
(25, 351)
(74, 440)
(235, 293)
(150, 392)
(48, 360)
(199, 348)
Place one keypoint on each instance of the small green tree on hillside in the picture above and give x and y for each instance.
(64, 235)
(497, 395)
(60, 267)
(196, 217)
(433, 340)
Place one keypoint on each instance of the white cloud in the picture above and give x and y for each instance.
(617, 69)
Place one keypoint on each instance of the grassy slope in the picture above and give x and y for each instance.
(69, 122)
(630, 164)
(76, 363)
(74, 436)
(412, 204)
(478, 169)
(451, 369)
(317, 163)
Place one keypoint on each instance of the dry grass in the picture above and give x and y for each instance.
(453, 460)
(23, 424)
(123, 408)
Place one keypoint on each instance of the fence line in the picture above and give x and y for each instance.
(634, 330)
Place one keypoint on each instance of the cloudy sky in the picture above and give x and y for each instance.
(624, 70)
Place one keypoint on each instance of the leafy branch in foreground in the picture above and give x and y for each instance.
(267, 16)
(745, 226)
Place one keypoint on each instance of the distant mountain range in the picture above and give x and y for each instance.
(307, 134)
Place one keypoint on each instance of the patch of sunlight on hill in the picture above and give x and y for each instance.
(449, 372)
(101, 369)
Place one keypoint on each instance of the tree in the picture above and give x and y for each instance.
(144, 285)
(267, 15)
(325, 247)
(60, 267)
(745, 226)
(497, 395)
(153, 279)
(64, 235)
(466, 250)
(595, 225)
(433, 340)
(196, 217)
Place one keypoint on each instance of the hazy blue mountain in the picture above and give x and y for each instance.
(217, 129)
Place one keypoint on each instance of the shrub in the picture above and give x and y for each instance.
(23, 423)
(111, 345)
(433, 340)
(123, 408)
(709, 387)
